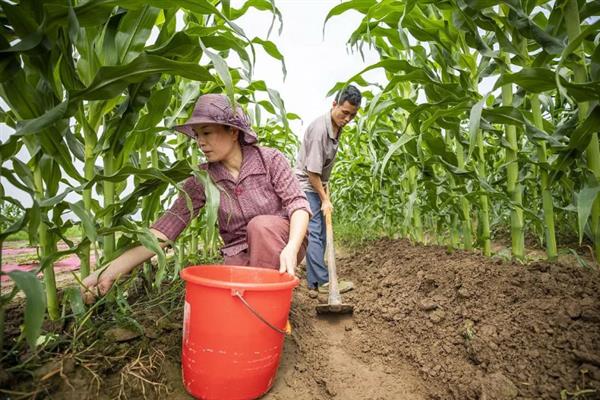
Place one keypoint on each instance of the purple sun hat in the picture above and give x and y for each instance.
(216, 109)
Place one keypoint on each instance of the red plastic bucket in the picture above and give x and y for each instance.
(233, 329)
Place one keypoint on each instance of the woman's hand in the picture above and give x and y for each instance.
(96, 284)
(288, 260)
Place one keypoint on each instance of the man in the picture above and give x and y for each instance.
(313, 168)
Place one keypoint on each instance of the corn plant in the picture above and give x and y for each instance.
(473, 158)
(92, 90)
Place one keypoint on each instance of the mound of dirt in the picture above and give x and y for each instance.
(474, 327)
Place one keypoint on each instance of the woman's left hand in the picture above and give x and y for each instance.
(288, 259)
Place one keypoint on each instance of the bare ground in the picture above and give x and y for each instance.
(428, 324)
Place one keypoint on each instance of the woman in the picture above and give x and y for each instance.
(263, 213)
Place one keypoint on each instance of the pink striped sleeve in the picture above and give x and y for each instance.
(174, 220)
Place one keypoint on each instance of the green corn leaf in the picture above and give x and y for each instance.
(585, 199)
(273, 51)
(33, 126)
(156, 106)
(474, 122)
(538, 80)
(361, 6)
(226, 7)
(529, 29)
(581, 136)
(404, 139)
(190, 93)
(134, 30)
(148, 240)
(573, 45)
(27, 43)
(227, 42)
(52, 174)
(35, 304)
(278, 101)
(513, 116)
(96, 12)
(176, 173)
(73, 25)
(35, 219)
(223, 72)
(73, 296)
(182, 46)
(49, 260)
(213, 198)
(340, 85)
(534, 80)
(15, 227)
(264, 5)
(392, 66)
(111, 81)
(9, 148)
(23, 171)
(267, 106)
(590, 8)
(75, 146)
(86, 219)
(12, 178)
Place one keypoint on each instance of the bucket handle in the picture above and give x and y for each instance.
(240, 295)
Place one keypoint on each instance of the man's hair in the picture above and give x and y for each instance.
(350, 94)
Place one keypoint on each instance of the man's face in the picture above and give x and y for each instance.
(341, 114)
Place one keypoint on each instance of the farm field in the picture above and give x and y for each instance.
(449, 148)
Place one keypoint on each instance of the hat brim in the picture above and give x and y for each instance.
(250, 136)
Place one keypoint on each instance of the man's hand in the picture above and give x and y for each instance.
(326, 206)
(288, 260)
(96, 286)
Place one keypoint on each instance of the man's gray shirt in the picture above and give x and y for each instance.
(317, 152)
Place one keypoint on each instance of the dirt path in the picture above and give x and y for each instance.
(356, 379)
(318, 363)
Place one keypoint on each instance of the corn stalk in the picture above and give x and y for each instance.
(592, 151)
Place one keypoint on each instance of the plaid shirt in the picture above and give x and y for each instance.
(266, 186)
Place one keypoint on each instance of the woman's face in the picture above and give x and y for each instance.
(216, 141)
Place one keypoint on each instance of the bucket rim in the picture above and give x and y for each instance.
(186, 275)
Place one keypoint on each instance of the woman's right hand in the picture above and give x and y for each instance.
(96, 284)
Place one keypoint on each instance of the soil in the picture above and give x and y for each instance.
(428, 324)
(474, 327)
